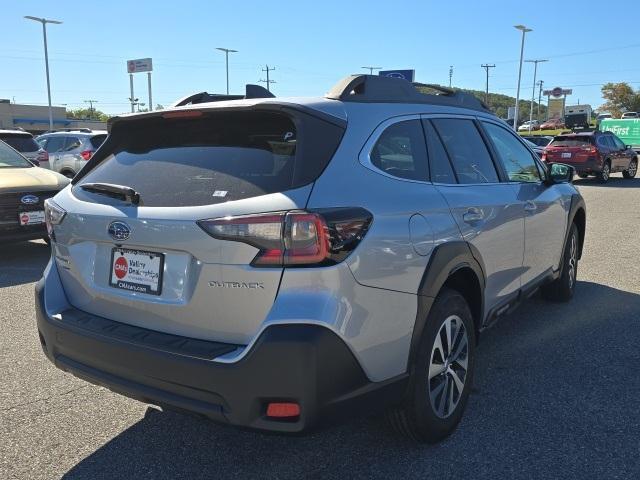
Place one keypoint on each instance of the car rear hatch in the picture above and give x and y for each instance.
(571, 149)
(135, 253)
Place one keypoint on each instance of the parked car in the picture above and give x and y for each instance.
(552, 124)
(536, 149)
(529, 125)
(69, 150)
(24, 143)
(23, 190)
(593, 153)
(629, 115)
(232, 258)
(538, 140)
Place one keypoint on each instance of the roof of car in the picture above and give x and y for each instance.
(76, 132)
(15, 132)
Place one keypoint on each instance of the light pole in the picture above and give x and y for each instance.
(533, 92)
(524, 30)
(44, 22)
(227, 51)
(371, 69)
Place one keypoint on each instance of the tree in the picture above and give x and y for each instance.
(87, 114)
(620, 97)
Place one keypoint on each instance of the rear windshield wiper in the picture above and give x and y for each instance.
(121, 192)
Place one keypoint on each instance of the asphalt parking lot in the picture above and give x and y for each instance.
(556, 392)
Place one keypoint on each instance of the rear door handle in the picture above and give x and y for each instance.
(529, 206)
(473, 215)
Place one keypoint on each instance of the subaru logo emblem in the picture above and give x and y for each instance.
(119, 230)
(29, 199)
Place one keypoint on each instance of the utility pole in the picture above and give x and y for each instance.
(44, 22)
(533, 90)
(486, 66)
(539, 97)
(450, 74)
(371, 69)
(91, 102)
(268, 81)
(226, 51)
(524, 31)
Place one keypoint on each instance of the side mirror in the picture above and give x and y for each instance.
(560, 173)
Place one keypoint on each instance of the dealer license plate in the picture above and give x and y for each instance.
(31, 218)
(136, 270)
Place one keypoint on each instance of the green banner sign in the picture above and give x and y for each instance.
(627, 130)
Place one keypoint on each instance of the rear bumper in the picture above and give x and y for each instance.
(306, 364)
(18, 233)
(591, 165)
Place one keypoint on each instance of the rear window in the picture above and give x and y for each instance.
(571, 142)
(97, 140)
(22, 143)
(215, 158)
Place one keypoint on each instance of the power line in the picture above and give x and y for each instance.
(268, 81)
(486, 66)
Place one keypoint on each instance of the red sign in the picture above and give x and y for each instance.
(121, 267)
(25, 219)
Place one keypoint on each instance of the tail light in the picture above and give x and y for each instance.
(590, 149)
(86, 154)
(43, 156)
(543, 157)
(53, 215)
(295, 238)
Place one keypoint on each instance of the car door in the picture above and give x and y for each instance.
(54, 145)
(544, 208)
(484, 207)
(70, 156)
(623, 156)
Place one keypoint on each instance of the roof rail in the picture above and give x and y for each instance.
(70, 129)
(251, 91)
(379, 89)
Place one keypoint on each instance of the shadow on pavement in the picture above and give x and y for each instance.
(615, 181)
(22, 262)
(555, 397)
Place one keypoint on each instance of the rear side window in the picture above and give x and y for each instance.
(467, 151)
(72, 144)
(22, 143)
(54, 144)
(97, 140)
(215, 158)
(441, 171)
(400, 151)
(567, 141)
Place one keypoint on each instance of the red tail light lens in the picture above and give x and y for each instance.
(43, 156)
(296, 238)
(86, 154)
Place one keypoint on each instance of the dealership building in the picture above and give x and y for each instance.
(35, 118)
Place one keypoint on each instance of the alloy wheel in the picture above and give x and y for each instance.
(605, 172)
(633, 167)
(573, 261)
(448, 366)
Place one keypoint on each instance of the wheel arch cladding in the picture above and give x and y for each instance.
(580, 219)
(451, 265)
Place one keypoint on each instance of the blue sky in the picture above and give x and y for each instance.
(311, 44)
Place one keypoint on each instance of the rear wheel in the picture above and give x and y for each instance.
(442, 372)
(632, 170)
(583, 175)
(561, 289)
(604, 175)
(68, 173)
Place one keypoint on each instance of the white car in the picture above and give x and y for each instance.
(529, 125)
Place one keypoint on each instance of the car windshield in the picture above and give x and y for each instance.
(21, 142)
(9, 158)
(571, 142)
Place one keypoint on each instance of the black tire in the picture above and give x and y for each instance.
(69, 174)
(561, 289)
(603, 176)
(47, 240)
(632, 170)
(583, 175)
(418, 417)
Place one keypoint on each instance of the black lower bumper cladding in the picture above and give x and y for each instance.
(306, 364)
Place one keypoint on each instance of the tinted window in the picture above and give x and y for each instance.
(216, 158)
(515, 157)
(72, 144)
(602, 141)
(10, 159)
(439, 164)
(571, 141)
(97, 140)
(617, 142)
(22, 143)
(400, 151)
(467, 151)
(54, 144)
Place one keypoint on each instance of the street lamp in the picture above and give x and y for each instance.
(524, 30)
(371, 69)
(533, 93)
(227, 51)
(44, 22)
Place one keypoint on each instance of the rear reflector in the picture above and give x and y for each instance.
(283, 410)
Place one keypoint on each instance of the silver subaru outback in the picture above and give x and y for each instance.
(280, 263)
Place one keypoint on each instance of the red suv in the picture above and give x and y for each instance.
(593, 153)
